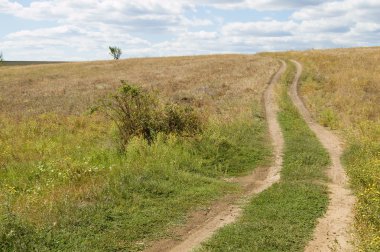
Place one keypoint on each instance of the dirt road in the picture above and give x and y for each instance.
(262, 178)
(333, 232)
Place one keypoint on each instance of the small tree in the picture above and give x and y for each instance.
(1, 57)
(115, 52)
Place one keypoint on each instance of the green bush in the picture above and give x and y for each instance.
(181, 120)
(138, 112)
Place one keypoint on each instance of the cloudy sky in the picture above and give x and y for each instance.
(83, 29)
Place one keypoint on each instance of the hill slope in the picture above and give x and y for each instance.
(65, 183)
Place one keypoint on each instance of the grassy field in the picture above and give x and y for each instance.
(342, 89)
(283, 217)
(65, 185)
(214, 84)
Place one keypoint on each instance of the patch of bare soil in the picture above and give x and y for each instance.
(334, 230)
(202, 224)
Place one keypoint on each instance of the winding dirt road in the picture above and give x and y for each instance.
(261, 179)
(333, 232)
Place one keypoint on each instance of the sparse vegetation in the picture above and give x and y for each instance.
(115, 52)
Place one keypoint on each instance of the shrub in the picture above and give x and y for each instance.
(181, 119)
(138, 112)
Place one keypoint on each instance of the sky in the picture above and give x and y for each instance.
(74, 30)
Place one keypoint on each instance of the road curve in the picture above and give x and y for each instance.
(272, 173)
(334, 229)
(258, 181)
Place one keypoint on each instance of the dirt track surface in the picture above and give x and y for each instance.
(202, 226)
(334, 230)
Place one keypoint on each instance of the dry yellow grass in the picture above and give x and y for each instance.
(214, 83)
(343, 81)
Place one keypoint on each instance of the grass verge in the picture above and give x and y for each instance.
(283, 217)
(362, 160)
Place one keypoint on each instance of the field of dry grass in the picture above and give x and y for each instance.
(342, 88)
(64, 184)
(212, 83)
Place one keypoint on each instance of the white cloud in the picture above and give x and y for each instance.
(358, 10)
(258, 4)
(84, 28)
(71, 10)
(330, 25)
(269, 28)
(79, 42)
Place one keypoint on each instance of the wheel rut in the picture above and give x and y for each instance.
(334, 229)
(200, 227)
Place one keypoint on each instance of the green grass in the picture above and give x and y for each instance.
(283, 217)
(65, 186)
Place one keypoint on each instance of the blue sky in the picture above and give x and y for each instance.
(83, 29)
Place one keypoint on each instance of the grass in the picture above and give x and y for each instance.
(342, 89)
(66, 186)
(215, 84)
(362, 160)
(91, 197)
(283, 217)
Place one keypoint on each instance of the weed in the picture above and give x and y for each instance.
(328, 119)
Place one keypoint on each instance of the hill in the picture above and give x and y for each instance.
(67, 184)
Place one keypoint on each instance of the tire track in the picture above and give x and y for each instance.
(258, 181)
(334, 229)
